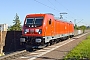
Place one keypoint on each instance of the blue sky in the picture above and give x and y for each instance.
(76, 9)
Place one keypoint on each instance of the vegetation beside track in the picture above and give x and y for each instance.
(81, 51)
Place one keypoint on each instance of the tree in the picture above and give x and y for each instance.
(83, 28)
(75, 27)
(16, 24)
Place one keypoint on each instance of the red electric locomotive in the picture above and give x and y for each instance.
(39, 30)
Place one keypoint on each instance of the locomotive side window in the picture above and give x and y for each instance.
(49, 21)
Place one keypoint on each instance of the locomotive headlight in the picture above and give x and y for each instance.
(36, 30)
(26, 30)
(39, 31)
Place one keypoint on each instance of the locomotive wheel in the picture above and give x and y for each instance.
(57, 41)
(62, 39)
(67, 37)
(51, 43)
(48, 44)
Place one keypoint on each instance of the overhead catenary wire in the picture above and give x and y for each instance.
(84, 23)
(66, 8)
(47, 6)
(79, 21)
(61, 4)
(53, 5)
(55, 9)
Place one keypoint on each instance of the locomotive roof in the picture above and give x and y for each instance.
(63, 20)
(56, 18)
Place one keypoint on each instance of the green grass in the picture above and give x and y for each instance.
(81, 51)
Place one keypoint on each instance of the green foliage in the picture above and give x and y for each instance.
(80, 27)
(16, 24)
(82, 51)
(75, 27)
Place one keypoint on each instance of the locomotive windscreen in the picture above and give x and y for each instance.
(34, 22)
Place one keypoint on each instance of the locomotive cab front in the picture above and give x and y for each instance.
(32, 32)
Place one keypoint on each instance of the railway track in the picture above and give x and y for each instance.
(14, 55)
(37, 53)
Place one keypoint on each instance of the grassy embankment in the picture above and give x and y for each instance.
(80, 52)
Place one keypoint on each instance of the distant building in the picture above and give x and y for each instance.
(3, 27)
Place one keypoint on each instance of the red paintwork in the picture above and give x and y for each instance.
(56, 27)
